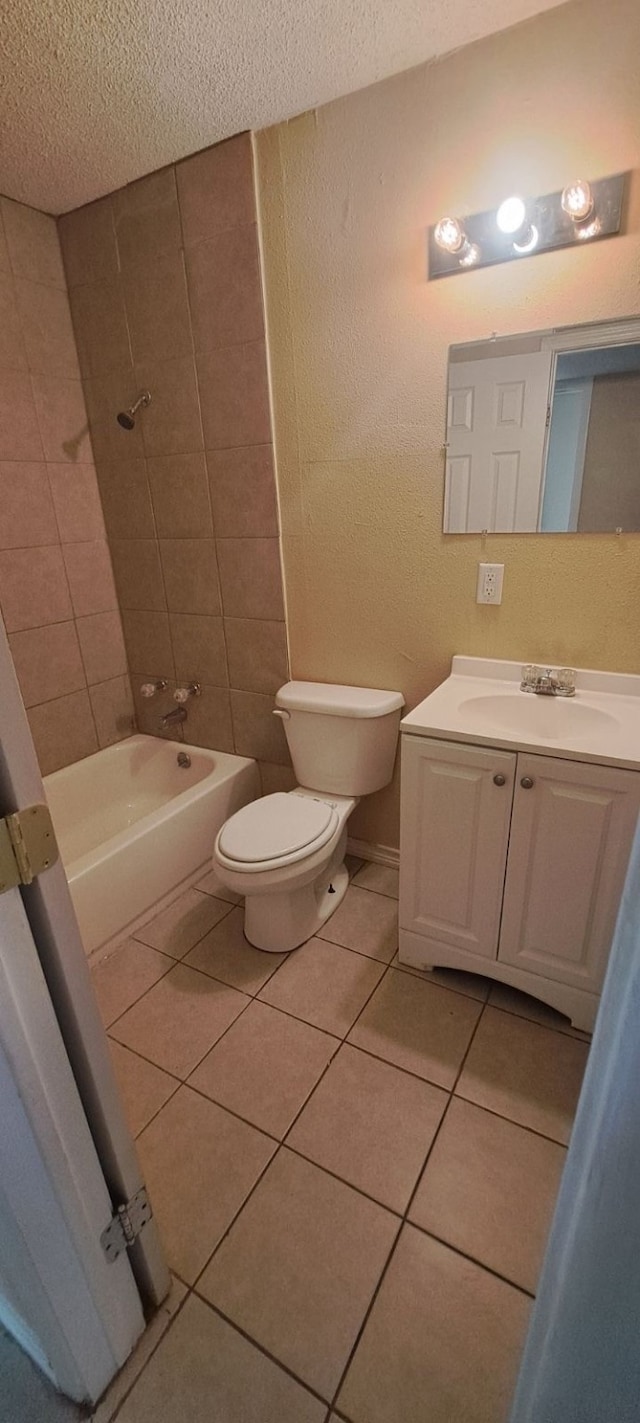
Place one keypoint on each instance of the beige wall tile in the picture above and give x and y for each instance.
(13, 355)
(179, 490)
(76, 500)
(105, 396)
(209, 720)
(250, 578)
(88, 242)
(243, 492)
(148, 644)
(33, 588)
(48, 662)
(47, 329)
(112, 707)
(257, 654)
(171, 425)
(137, 573)
(102, 646)
(26, 508)
(100, 325)
(5, 264)
(256, 731)
(276, 778)
(191, 575)
(234, 396)
(63, 731)
(62, 419)
(19, 430)
(199, 649)
(157, 306)
(126, 499)
(147, 219)
(225, 292)
(90, 576)
(32, 241)
(216, 189)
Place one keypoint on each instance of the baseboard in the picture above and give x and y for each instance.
(379, 854)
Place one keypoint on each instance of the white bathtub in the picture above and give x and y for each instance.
(134, 827)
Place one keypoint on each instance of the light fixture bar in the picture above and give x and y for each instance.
(562, 219)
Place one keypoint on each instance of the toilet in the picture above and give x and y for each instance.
(285, 852)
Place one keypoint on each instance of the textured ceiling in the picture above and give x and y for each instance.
(94, 93)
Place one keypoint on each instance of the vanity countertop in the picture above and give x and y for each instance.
(481, 702)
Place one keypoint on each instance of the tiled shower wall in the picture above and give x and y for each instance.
(57, 594)
(164, 280)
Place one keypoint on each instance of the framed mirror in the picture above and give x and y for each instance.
(543, 432)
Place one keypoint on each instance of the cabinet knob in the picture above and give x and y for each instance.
(526, 783)
(499, 780)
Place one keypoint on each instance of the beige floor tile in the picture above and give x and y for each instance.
(442, 1342)
(157, 1326)
(179, 927)
(144, 1088)
(502, 995)
(489, 1189)
(323, 984)
(371, 1124)
(353, 864)
(204, 1371)
(179, 1019)
(125, 975)
(417, 1026)
(383, 879)
(265, 1067)
(299, 1268)
(472, 984)
(365, 922)
(200, 1164)
(226, 954)
(527, 1073)
(211, 884)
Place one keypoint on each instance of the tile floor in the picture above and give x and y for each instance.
(342, 1155)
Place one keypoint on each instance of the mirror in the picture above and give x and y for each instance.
(543, 432)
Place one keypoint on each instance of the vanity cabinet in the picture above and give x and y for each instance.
(512, 864)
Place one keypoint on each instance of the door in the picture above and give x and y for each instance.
(571, 837)
(453, 845)
(66, 1154)
(496, 434)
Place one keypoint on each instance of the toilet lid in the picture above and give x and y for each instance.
(275, 826)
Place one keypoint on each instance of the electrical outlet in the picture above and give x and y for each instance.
(489, 588)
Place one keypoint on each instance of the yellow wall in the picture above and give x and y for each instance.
(358, 344)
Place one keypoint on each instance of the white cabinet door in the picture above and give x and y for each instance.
(571, 837)
(455, 826)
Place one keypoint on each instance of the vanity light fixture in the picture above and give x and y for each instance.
(579, 213)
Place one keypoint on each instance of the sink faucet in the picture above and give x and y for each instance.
(173, 718)
(547, 683)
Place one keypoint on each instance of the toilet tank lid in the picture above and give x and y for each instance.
(331, 700)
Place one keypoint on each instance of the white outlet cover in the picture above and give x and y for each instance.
(489, 587)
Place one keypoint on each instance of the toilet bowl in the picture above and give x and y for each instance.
(285, 852)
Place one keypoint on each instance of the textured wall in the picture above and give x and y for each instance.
(57, 595)
(358, 346)
(164, 277)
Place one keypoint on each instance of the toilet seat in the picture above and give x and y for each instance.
(278, 829)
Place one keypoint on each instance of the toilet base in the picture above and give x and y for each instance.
(279, 923)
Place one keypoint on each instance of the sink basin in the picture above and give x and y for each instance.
(523, 714)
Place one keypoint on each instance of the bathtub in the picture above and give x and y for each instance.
(134, 828)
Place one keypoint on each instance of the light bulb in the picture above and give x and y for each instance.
(577, 200)
(511, 215)
(449, 234)
(588, 229)
(470, 254)
(528, 241)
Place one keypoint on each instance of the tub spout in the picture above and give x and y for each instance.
(173, 718)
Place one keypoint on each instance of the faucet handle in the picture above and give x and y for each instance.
(566, 679)
(182, 694)
(149, 689)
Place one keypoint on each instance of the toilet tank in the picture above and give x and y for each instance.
(342, 739)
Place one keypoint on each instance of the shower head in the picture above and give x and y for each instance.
(127, 418)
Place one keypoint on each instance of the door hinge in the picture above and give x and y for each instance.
(126, 1225)
(27, 846)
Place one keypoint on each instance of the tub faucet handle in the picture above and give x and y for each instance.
(149, 689)
(182, 694)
